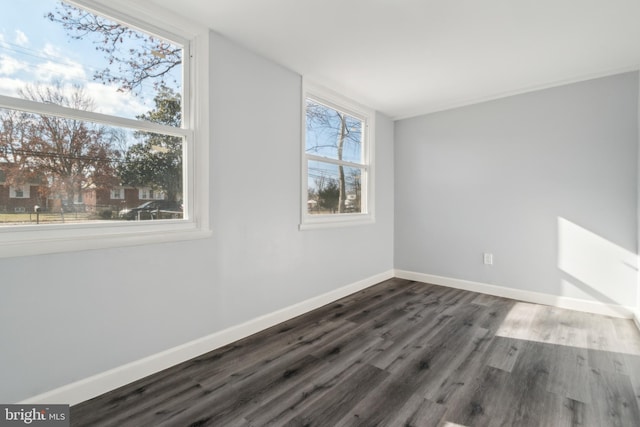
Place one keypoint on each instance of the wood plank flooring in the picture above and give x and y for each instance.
(400, 353)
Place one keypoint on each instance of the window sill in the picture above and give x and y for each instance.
(317, 222)
(25, 242)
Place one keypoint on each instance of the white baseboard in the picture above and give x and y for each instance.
(106, 381)
(636, 318)
(522, 295)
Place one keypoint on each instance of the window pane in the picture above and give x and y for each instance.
(333, 134)
(49, 44)
(333, 189)
(70, 169)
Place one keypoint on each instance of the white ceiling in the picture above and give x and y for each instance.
(410, 57)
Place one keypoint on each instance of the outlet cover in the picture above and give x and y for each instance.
(488, 259)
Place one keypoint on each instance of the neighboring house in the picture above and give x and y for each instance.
(18, 198)
(24, 198)
(118, 198)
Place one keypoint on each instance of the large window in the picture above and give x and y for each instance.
(337, 167)
(92, 102)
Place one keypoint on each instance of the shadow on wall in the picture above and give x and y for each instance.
(596, 266)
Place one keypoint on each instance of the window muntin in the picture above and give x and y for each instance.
(75, 135)
(337, 154)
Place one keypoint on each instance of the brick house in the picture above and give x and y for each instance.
(118, 198)
(24, 198)
(19, 198)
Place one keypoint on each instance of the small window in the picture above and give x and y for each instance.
(144, 194)
(148, 193)
(337, 167)
(19, 192)
(117, 194)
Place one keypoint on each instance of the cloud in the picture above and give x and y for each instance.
(10, 87)
(21, 38)
(108, 100)
(55, 66)
(52, 51)
(50, 71)
(10, 65)
(111, 101)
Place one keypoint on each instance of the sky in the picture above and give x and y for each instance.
(35, 50)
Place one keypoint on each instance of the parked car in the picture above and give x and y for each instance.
(150, 210)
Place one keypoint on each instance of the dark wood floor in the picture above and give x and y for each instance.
(400, 354)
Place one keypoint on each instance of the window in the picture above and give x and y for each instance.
(19, 192)
(117, 194)
(337, 171)
(148, 193)
(99, 99)
(145, 194)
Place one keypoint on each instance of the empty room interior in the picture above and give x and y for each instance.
(357, 212)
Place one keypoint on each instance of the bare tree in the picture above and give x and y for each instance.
(69, 154)
(337, 130)
(14, 130)
(133, 56)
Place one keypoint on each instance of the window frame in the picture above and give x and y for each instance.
(21, 190)
(120, 195)
(345, 105)
(25, 240)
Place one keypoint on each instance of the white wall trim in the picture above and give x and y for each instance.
(636, 318)
(523, 295)
(103, 382)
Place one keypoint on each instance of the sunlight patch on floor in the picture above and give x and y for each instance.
(551, 325)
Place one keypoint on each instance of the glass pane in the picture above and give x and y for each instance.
(50, 44)
(333, 134)
(56, 170)
(333, 189)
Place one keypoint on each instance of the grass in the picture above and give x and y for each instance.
(69, 217)
(45, 217)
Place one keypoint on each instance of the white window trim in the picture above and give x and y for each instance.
(338, 102)
(45, 239)
(25, 188)
(121, 193)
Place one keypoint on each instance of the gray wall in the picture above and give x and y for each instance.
(637, 315)
(68, 316)
(542, 180)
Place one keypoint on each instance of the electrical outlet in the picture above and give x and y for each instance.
(488, 258)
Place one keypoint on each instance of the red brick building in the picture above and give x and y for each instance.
(24, 198)
(19, 198)
(117, 198)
